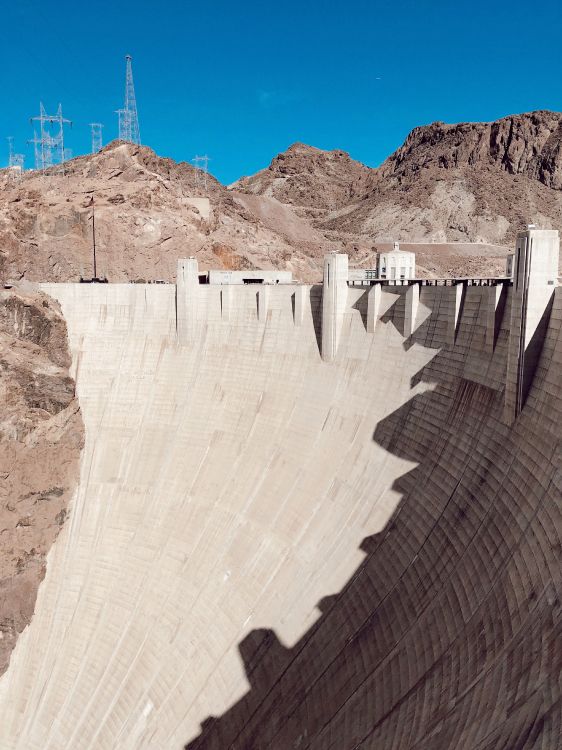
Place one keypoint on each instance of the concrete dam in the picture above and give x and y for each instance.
(324, 518)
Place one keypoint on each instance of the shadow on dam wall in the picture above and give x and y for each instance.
(448, 635)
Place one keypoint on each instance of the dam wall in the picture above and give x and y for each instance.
(270, 550)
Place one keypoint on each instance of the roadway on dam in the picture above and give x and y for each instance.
(271, 551)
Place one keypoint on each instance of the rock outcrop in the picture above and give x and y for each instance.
(41, 436)
(148, 212)
(528, 144)
(308, 177)
(466, 183)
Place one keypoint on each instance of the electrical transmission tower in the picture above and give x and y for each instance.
(49, 143)
(201, 171)
(15, 161)
(96, 128)
(128, 116)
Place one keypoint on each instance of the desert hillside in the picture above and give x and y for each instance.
(475, 182)
(149, 211)
(448, 185)
(459, 192)
(41, 436)
(310, 178)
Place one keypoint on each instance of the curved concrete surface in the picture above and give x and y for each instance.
(355, 554)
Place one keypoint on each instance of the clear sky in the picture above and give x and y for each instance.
(241, 81)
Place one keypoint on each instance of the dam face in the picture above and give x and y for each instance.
(268, 550)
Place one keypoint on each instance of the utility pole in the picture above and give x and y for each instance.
(128, 116)
(94, 236)
(37, 150)
(60, 137)
(91, 205)
(96, 128)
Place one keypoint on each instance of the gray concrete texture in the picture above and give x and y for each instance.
(270, 550)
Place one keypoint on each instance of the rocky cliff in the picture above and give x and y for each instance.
(465, 183)
(528, 144)
(41, 437)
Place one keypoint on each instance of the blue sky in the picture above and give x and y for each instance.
(242, 81)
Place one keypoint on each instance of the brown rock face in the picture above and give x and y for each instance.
(229, 259)
(466, 183)
(527, 144)
(308, 177)
(41, 436)
(448, 184)
(475, 182)
(149, 211)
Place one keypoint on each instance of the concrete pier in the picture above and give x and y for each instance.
(534, 281)
(263, 303)
(457, 294)
(373, 306)
(187, 292)
(412, 302)
(334, 299)
(495, 308)
(226, 295)
(302, 294)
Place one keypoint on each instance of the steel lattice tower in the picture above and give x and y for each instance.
(15, 161)
(96, 128)
(49, 145)
(204, 160)
(128, 117)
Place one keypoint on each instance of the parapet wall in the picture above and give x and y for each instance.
(414, 307)
(189, 308)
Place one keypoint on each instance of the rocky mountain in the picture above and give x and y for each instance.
(527, 144)
(307, 177)
(448, 184)
(41, 436)
(447, 188)
(476, 182)
(148, 212)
